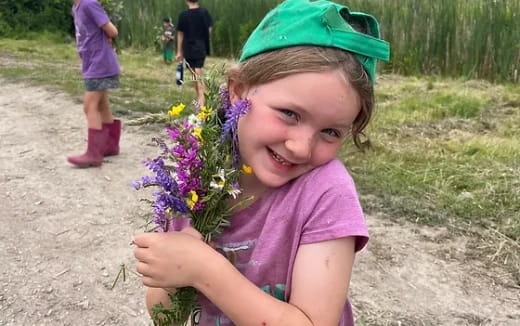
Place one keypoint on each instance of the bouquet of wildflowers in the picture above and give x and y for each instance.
(195, 175)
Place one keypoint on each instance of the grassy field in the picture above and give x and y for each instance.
(444, 152)
(147, 84)
(449, 37)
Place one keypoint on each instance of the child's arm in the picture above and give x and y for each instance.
(320, 282)
(110, 30)
(155, 296)
(321, 278)
(180, 38)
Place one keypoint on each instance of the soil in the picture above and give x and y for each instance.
(66, 232)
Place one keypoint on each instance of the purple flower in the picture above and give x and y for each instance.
(199, 206)
(136, 185)
(147, 180)
(162, 205)
(173, 133)
(229, 129)
(224, 96)
(197, 106)
(165, 180)
(154, 165)
(165, 201)
(170, 197)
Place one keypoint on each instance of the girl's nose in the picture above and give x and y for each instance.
(300, 148)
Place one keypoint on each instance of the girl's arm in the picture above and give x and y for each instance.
(320, 282)
(155, 296)
(110, 30)
(320, 279)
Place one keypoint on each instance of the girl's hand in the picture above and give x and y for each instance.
(171, 260)
(193, 232)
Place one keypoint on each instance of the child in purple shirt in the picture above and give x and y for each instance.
(307, 73)
(100, 70)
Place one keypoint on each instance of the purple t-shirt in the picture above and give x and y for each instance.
(98, 58)
(263, 239)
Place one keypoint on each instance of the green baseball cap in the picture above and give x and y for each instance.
(319, 23)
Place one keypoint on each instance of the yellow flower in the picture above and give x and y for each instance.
(176, 110)
(247, 169)
(197, 132)
(194, 196)
(194, 199)
(204, 113)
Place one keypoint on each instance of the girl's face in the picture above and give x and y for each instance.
(295, 124)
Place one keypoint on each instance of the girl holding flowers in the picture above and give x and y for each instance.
(303, 86)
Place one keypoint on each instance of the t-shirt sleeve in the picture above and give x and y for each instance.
(181, 23)
(209, 19)
(337, 212)
(97, 13)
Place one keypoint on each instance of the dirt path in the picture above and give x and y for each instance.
(64, 232)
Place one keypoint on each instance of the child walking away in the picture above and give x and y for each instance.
(100, 70)
(168, 40)
(305, 79)
(193, 31)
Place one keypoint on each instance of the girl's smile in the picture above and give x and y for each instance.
(280, 160)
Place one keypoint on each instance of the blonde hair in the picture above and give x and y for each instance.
(277, 64)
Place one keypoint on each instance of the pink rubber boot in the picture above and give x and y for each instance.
(97, 140)
(114, 134)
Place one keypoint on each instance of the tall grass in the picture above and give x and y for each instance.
(475, 39)
(233, 21)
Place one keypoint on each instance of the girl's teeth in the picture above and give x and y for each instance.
(280, 160)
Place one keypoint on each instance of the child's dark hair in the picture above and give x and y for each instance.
(167, 20)
(273, 65)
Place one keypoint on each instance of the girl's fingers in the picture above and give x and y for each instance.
(150, 282)
(141, 254)
(191, 231)
(142, 240)
(143, 269)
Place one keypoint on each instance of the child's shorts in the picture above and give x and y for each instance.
(168, 54)
(196, 63)
(101, 84)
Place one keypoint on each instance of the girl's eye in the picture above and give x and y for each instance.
(289, 113)
(332, 133)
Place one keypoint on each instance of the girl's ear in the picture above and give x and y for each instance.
(236, 88)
